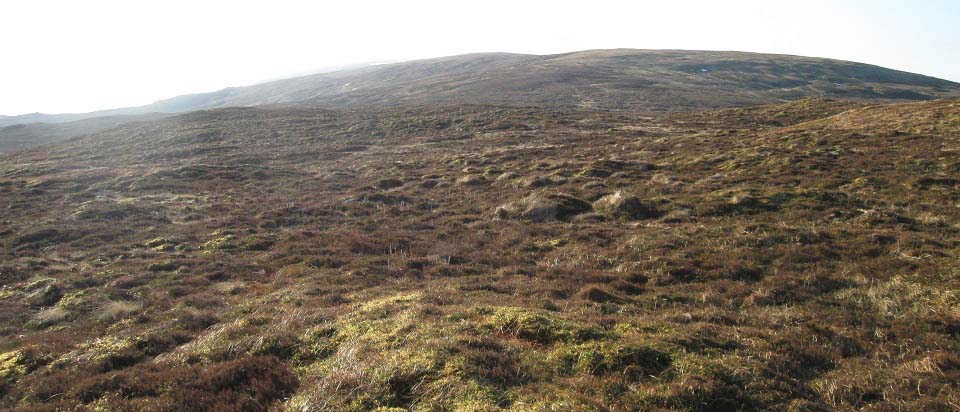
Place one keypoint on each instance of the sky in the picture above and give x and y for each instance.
(78, 56)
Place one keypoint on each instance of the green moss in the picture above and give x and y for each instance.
(7, 293)
(474, 397)
(701, 383)
(161, 244)
(13, 365)
(602, 358)
(38, 283)
(104, 354)
(400, 298)
(553, 399)
(221, 243)
(535, 326)
(383, 332)
(316, 343)
(81, 300)
(155, 242)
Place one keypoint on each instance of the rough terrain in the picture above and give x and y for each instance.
(802, 256)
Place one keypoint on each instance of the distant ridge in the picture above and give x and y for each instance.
(619, 79)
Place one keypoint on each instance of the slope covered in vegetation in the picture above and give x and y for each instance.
(617, 79)
(800, 257)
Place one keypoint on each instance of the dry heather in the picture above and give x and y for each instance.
(800, 257)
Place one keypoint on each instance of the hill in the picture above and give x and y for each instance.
(801, 256)
(21, 136)
(622, 79)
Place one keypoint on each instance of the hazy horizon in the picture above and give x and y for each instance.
(75, 58)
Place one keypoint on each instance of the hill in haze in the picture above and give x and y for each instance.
(20, 136)
(627, 79)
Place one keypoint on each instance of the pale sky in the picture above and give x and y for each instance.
(78, 56)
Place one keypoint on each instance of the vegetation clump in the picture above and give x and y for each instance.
(622, 205)
(226, 242)
(40, 236)
(14, 365)
(43, 292)
(542, 207)
(161, 244)
(606, 358)
(385, 184)
(536, 327)
(601, 168)
(471, 180)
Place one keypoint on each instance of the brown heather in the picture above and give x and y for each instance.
(796, 257)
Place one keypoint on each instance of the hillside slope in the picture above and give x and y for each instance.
(22, 136)
(801, 257)
(641, 80)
